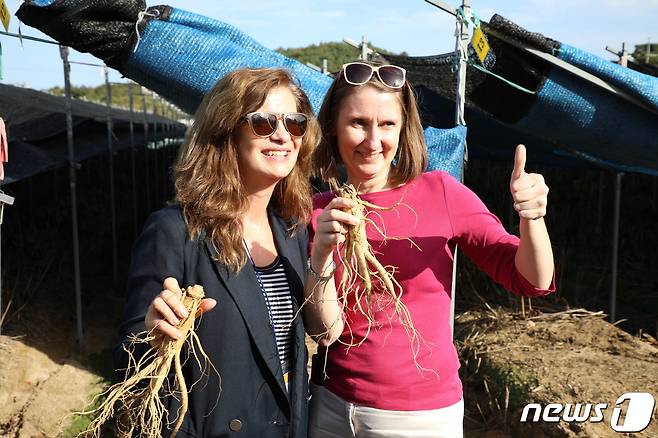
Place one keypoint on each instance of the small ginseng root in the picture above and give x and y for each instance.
(137, 400)
(364, 275)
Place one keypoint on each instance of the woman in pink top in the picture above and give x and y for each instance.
(376, 382)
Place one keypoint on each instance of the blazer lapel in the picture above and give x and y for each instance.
(292, 256)
(288, 248)
(244, 288)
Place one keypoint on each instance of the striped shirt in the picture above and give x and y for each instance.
(279, 302)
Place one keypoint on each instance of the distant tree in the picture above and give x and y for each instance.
(120, 99)
(642, 55)
(335, 53)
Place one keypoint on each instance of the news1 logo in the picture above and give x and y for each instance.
(638, 412)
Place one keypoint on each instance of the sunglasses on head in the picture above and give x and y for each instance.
(264, 124)
(358, 73)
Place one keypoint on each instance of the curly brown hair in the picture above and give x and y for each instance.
(207, 177)
(411, 159)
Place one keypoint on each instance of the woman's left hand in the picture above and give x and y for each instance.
(529, 191)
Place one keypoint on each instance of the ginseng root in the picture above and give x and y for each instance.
(364, 275)
(138, 399)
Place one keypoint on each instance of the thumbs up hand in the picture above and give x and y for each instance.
(529, 191)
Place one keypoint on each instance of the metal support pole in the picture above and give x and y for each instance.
(461, 36)
(110, 154)
(170, 116)
(623, 61)
(64, 53)
(133, 173)
(364, 50)
(146, 152)
(615, 248)
(623, 57)
(156, 153)
(165, 152)
(599, 206)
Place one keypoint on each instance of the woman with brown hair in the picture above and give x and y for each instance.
(386, 373)
(238, 228)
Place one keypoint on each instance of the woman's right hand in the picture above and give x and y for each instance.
(323, 311)
(166, 311)
(332, 226)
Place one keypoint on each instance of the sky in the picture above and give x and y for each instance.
(414, 26)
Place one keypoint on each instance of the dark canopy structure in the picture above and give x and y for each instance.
(568, 106)
(36, 127)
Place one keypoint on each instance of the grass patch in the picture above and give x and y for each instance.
(509, 384)
(101, 364)
(80, 423)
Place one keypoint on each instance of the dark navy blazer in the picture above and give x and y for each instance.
(248, 398)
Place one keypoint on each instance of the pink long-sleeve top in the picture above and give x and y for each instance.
(389, 369)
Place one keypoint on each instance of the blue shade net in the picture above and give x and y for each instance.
(564, 120)
(446, 149)
(598, 126)
(181, 55)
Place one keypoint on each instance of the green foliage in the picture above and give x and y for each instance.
(640, 53)
(80, 422)
(335, 53)
(518, 381)
(101, 364)
(120, 98)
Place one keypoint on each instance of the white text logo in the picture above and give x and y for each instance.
(639, 410)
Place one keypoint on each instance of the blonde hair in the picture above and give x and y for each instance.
(207, 177)
(411, 158)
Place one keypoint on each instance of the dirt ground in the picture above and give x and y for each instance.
(43, 377)
(568, 357)
(37, 391)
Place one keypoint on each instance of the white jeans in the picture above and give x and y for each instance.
(332, 417)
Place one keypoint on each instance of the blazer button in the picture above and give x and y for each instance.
(235, 425)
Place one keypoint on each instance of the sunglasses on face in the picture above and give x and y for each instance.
(264, 124)
(358, 73)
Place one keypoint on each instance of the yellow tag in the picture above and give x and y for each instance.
(4, 15)
(480, 44)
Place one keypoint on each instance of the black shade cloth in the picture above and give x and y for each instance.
(36, 128)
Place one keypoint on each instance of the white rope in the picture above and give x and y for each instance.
(463, 18)
(461, 46)
(140, 17)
